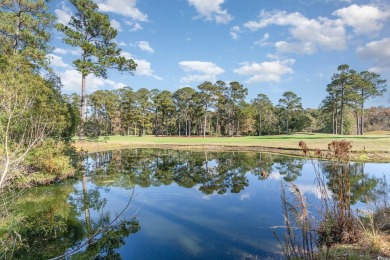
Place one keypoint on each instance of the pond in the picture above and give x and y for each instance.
(169, 204)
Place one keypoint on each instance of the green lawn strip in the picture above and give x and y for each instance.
(369, 143)
(367, 148)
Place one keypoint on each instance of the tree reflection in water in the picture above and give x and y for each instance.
(57, 223)
(362, 186)
(74, 219)
(211, 172)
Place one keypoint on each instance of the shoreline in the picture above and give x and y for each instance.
(379, 156)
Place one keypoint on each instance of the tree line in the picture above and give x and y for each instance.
(350, 89)
(213, 109)
(221, 109)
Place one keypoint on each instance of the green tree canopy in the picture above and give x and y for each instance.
(24, 28)
(289, 103)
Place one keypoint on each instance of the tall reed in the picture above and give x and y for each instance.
(298, 239)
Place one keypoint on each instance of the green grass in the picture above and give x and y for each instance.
(366, 142)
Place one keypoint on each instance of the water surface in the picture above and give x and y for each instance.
(167, 204)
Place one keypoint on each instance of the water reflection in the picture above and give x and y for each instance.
(191, 205)
(56, 222)
(362, 185)
(214, 172)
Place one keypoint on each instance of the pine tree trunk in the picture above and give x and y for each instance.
(156, 124)
(333, 122)
(260, 123)
(287, 124)
(336, 121)
(362, 120)
(82, 108)
(205, 121)
(357, 123)
(238, 127)
(342, 113)
(189, 128)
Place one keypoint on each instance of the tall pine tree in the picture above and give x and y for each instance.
(92, 32)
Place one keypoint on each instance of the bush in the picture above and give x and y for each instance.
(47, 162)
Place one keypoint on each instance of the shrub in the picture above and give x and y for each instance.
(47, 163)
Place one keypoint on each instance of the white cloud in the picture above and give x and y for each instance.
(120, 85)
(379, 52)
(235, 32)
(294, 47)
(364, 19)
(63, 14)
(268, 71)
(309, 34)
(305, 188)
(321, 33)
(263, 41)
(122, 7)
(310, 188)
(274, 56)
(144, 68)
(56, 61)
(71, 79)
(60, 51)
(211, 10)
(74, 51)
(145, 46)
(127, 55)
(116, 25)
(205, 71)
(135, 26)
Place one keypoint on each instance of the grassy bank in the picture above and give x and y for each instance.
(370, 147)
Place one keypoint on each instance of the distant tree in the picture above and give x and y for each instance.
(330, 106)
(299, 121)
(289, 103)
(128, 110)
(143, 102)
(377, 118)
(196, 113)
(262, 105)
(245, 113)
(366, 85)
(164, 103)
(92, 32)
(339, 89)
(183, 101)
(207, 98)
(220, 105)
(314, 120)
(156, 110)
(234, 94)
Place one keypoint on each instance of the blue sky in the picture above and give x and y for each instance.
(268, 46)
